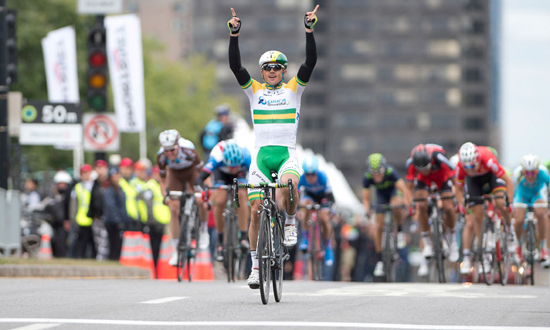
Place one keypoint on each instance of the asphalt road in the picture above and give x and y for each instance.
(31, 304)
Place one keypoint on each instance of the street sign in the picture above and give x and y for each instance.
(100, 132)
(98, 7)
(46, 123)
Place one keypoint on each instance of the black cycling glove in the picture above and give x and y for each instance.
(310, 24)
(234, 29)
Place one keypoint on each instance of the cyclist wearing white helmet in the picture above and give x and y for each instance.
(178, 164)
(227, 161)
(275, 110)
(478, 166)
(532, 181)
(315, 189)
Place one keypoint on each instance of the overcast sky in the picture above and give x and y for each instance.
(525, 85)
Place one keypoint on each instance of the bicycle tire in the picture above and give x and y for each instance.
(488, 233)
(387, 253)
(277, 271)
(317, 250)
(264, 255)
(230, 245)
(438, 251)
(195, 236)
(531, 250)
(504, 264)
(182, 248)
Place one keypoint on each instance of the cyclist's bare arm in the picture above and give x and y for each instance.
(366, 199)
(400, 185)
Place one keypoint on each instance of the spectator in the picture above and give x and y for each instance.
(153, 213)
(114, 213)
(30, 199)
(126, 172)
(57, 209)
(81, 194)
(96, 201)
(218, 129)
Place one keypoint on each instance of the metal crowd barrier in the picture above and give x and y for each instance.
(10, 216)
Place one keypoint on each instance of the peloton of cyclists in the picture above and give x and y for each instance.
(387, 182)
(227, 161)
(315, 188)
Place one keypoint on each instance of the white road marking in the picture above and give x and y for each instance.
(162, 300)
(271, 324)
(38, 326)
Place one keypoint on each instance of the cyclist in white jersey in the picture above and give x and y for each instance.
(275, 110)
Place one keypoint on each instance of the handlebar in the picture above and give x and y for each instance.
(310, 207)
(263, 185)
(186, 194)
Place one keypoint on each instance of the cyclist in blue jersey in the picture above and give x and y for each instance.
(315, 188)
(227, 161)
(532, 181)
(387, 182)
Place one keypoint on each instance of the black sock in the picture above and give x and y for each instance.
(379, 256)
(243, 235)
(399, 228)
(220, 238)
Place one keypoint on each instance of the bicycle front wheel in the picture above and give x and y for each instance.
(182, 248)
(264, 253)
(531, 251)
(438, 250)
(280, 254)
(194, 233)
(231, 239)
(488, 263)
(316, 252)
(505, 258)
(388, 251)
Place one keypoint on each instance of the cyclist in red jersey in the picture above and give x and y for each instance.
(478, 166)
(429, 166)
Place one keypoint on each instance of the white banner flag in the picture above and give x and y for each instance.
(59, 49)
(124, 54)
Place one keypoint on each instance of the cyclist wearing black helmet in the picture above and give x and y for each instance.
(387, 182)
(429, 166)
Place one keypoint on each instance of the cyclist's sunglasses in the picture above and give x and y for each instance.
(469, 166)
(310, 174)
(275, 67)
(530, 173)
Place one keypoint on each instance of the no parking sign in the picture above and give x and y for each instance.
(100, 132)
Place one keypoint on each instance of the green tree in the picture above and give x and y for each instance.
(180, 95)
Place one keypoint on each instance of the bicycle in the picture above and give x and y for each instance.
(271, 252)
(315, 249)
(440, 243)
(527, 267)
(189, 233)
(494, 245)
(389, 240)
(233, 254)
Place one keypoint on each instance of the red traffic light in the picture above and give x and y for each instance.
(97, 59)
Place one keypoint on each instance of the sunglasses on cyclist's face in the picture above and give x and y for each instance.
(469, 166)
(424, 168)
(310, 174)
(170, 149)
(275, 67)
(530, 173)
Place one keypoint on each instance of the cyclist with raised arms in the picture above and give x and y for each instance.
(227, 161)
(179, 165)
(532, 181)
(275, 110)
(428, 165)
(478, 166)
(315, 189)
(387, 182)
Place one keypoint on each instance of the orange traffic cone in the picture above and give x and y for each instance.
(203, 272)
(131, 253)
(45, 252)
(164, 270)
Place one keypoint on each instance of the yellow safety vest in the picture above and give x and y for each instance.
(161, 212)
(140, 186)
(130, 192)
(83, 196)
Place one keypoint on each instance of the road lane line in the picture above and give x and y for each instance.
(38, 326)
(162, 300)
(271, 324)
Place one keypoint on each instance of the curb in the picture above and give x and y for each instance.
(68, 271)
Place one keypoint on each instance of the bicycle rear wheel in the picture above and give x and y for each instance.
(488, 251)
(264, 252)
(280, 253)
(531, 244)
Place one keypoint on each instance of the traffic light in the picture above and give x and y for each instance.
(97, 69)
(11, 47)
